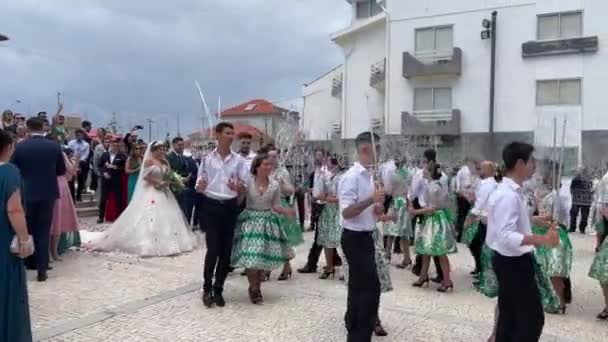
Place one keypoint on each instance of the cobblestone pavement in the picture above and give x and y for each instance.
(101, 297)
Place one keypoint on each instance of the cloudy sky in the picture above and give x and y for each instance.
(139, 58)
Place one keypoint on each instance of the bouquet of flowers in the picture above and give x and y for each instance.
(174, 182)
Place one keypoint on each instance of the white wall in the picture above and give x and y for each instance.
(516, 108)
(321, 109)
(257, 121)
(362, 102)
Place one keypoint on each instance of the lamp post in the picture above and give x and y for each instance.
(490, 33)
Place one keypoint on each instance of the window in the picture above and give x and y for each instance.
(432, 99)
(367, 8)
(560, 25)
(250, 107)
(565, 92)
(434, 39)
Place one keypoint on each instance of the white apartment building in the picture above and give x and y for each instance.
(422, 69)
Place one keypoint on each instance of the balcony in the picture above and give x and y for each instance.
(430, 123)
(560, 47)
(378, 74)
(433, 64)
(336, 86)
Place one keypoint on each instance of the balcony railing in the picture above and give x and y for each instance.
(432, 63)
(336, 87)
(423, 123)
(378, 74)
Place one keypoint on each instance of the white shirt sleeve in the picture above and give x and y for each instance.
(347, 192)
(506, 212)
(481, 197)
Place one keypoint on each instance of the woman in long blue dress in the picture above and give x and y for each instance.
(15, 323)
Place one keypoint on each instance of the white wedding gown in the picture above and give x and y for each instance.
(152, 225)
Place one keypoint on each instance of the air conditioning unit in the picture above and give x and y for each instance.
(336, 129)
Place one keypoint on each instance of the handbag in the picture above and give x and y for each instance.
(14, 248)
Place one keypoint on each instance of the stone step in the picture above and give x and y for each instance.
(86, 203)
(89, 211)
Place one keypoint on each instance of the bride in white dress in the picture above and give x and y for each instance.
(152, 224)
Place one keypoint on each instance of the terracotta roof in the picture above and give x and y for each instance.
(254, 107)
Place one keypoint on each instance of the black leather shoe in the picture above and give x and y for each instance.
(307, 269)
(208, 299)
(42, 276)
(218, 298)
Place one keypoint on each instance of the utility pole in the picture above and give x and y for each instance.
(490, 33)
(58, 98)
(149, 130)
(179, 133)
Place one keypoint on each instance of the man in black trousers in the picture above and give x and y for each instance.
(520, 310)
(222, 175)
(361, 202)
(40, 161)
(316, 180)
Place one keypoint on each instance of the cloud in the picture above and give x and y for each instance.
(140, 58)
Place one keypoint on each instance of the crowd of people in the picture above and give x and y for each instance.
(251, 207)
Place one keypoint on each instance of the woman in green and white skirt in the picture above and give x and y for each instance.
(398, 219)
(599, 268)
(260, 243)
(330, 231)
(435, 235)
(555, 262)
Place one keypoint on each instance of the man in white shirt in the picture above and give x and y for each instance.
(520, 311)
(82, 150)
(479, 212)
(245, 148)
(222, 175)
(316, 188)
(361, 202)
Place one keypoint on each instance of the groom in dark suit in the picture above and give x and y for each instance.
(40, 161)
(112, 165)
(185, 167)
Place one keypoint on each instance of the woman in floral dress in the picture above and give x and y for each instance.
(435, 235)
(399, 221)
(260, 244)
(330, 231)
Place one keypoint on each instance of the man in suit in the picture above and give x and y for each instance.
(112, 163)
(40, 161)
(185, 167)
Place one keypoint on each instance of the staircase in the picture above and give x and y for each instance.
(88, 207)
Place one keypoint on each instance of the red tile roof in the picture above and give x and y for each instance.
(253, 107)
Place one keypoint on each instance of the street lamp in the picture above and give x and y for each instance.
(489, 32)
(3, 37)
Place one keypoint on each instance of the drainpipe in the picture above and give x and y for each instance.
(492, 83)
(387, 68)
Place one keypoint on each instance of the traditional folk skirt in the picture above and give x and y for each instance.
(330, 231)
(599, 267)
(470, 232)
(382, 264)
(488, 283)
(290, 226)
(402, 227)
(435, 235)
(557, 261)
(260, 242)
